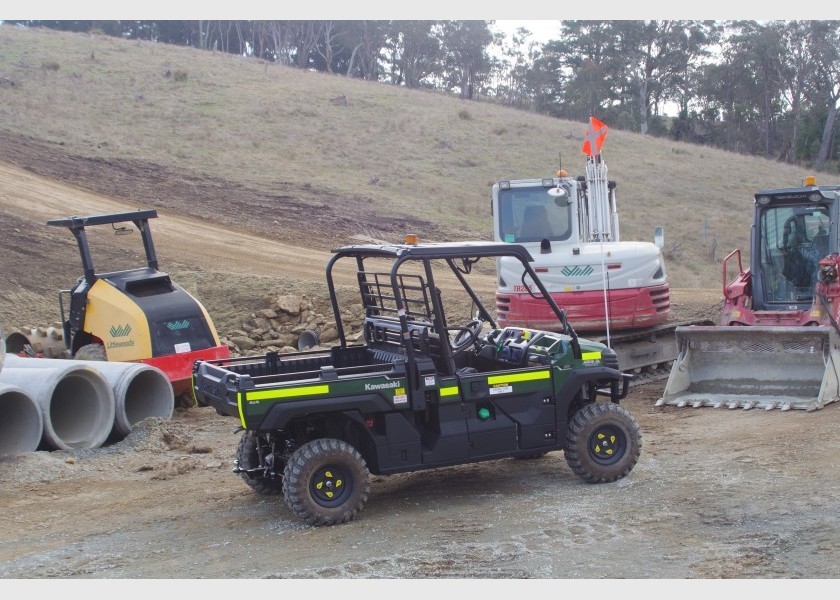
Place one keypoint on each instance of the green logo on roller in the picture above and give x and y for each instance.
(121, 331)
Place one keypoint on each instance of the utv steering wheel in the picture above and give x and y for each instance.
(466, 336)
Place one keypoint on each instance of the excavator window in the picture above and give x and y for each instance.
(532, 215)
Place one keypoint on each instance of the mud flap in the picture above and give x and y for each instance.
(754, 367)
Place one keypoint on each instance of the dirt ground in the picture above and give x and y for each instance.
(716, 493)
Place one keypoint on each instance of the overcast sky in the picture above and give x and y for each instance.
(428, 9)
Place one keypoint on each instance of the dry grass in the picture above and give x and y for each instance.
(404, 152)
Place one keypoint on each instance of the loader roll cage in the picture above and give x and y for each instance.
(405, 310)
(77, 225)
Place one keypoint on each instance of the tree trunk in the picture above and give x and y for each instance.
(643, 107)
(352, 60)
(828, 132)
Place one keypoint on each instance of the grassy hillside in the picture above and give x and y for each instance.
(378, 152)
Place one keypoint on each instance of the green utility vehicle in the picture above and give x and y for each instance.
(417, 392)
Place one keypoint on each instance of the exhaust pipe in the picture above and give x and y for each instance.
(21, 422)
(140, 390)
(76, 402)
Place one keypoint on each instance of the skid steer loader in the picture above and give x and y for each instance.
(132, 315)
(777, 343)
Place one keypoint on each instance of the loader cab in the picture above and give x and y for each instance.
(792, 231)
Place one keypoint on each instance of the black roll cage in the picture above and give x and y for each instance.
(467, 253)
(77, 225)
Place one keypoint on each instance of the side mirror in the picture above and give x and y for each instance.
(659, 237)
(561, 198)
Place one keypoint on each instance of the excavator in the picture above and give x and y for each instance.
(615, 291)
(776, 345)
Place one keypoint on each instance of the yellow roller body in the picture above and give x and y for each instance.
(119, 322)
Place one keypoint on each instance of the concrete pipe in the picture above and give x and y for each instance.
(140, 390)
(77, 403)
(21, 422)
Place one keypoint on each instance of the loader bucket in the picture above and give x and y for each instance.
(754, 367)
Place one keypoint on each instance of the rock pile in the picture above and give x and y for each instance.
(292, 323)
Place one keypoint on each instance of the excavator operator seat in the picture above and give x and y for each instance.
(535, 226)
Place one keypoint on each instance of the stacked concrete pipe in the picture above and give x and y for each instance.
(76, 402)
(139, 390)
(21, 422)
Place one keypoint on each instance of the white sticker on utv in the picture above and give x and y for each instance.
(501, 389)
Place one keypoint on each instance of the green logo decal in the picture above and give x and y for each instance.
(577, 271)
(178, 325)
(121, 331)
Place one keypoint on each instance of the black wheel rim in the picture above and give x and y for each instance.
(330, 485)
(607, 444)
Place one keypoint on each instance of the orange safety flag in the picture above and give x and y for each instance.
(594, 137)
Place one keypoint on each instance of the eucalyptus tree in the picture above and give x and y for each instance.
(796, 78)
(824, 39)
(366, 41)
(583, 63)
(412, 52)
(467, 64)
(655, 54)
(515, 65)
(759, 51)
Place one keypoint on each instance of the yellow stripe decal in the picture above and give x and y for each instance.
(514, 377)
(239, 403)
(449, 391)
(309, 390)
(590, 356)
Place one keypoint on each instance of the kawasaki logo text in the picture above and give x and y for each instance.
(382, 386)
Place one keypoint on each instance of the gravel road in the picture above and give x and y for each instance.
(716, 494)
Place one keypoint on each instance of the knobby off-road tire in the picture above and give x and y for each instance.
(246, 453)
(326, 482)
(91, 352)
(604, 442)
